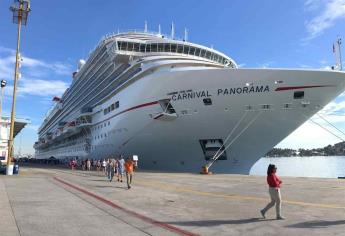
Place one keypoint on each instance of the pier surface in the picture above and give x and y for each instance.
(55, 201)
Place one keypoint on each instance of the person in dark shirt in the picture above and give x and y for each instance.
(274, 184)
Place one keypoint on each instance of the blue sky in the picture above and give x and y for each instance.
(269, 33)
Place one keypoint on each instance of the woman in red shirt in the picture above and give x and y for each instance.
(274, 183)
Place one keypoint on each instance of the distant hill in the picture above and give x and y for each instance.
(337, 149)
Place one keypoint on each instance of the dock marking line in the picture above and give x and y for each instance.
(163, 225)
(234, 196)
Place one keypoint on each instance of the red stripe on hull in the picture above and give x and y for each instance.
(301, 87)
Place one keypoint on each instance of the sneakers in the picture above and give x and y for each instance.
(263, 214)
(280, 218)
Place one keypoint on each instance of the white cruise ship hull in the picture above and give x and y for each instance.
(262, 99)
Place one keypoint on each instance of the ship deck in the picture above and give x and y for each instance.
(58, 201)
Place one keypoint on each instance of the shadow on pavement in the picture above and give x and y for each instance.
(206, 223)
(317, 224)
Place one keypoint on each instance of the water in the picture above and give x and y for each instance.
(316, 166)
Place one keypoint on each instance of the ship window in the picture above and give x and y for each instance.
(154, 47)
(207, 101)
(130, 46)
(148, 48)
(123, 46)
(298, 95)
(108, 122)
(265, 107)
(112, 106)
(191, 50)
(136, 47)
(249, 108)
(287, 106)
(142, 47)
(215, 58)
(105, 111)
(173, 47)
(203, 52)
(186, 49)
(167, 47)
(160, 47)
(208, 55)
(197, 52)
(179, 48)
(117, 104)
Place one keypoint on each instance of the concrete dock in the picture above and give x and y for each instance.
(55, 201)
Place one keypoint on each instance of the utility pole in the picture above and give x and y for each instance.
(3, 85)
(20, 9)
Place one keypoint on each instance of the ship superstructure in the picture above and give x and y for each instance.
(177, 104)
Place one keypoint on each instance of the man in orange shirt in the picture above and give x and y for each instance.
(129, 166)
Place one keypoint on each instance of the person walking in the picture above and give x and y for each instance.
(111, 169)
(88, 165)
(121, 169)
(274, 184)
(104, 165)
(129, 166)
(98, 166)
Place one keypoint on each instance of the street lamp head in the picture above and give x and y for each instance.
(20, 9)
(3, 83)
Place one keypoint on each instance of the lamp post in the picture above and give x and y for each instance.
(3, 85)
(20, 9)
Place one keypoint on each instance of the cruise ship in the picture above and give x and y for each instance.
(178, 106)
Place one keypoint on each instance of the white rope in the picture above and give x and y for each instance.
(330, 123)
(244, 129)
(231, 132)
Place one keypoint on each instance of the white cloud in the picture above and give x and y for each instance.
(30, 67)
(266, 64)
(241, 65)
(333, 10)
(38, 87)
(32, 127)
(35, 69)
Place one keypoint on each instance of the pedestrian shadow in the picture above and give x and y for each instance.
(100, 180)
(317, 224)
(109, 186)
(207, 223)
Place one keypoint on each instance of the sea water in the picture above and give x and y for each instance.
(315, 166)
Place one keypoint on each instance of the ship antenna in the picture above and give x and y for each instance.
(339, 49)
(185, 34)
(337, 55)
(172, 30)
(159, 28)
(145, 29)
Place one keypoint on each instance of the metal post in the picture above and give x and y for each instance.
(13, 111)
(2, 96)
(340, 59)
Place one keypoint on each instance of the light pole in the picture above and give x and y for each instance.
(20, 9)
(3, 85)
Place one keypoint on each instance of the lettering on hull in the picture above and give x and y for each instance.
(189, 94)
